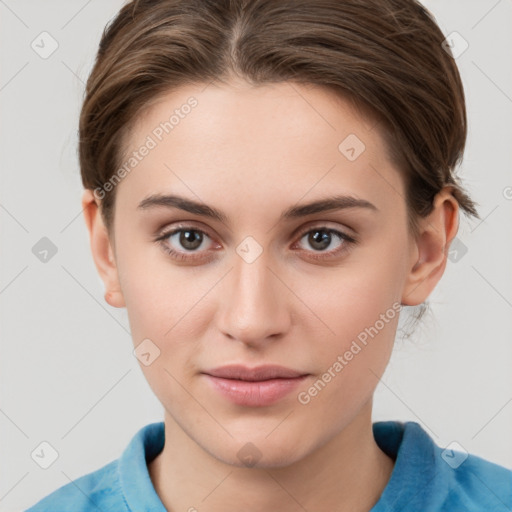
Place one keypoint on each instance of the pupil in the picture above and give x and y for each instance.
(190, 239)
(323, 240)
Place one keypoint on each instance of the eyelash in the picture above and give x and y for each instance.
(181, 256)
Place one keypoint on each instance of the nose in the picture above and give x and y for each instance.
(254, 306)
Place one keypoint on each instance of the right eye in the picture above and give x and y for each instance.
(183, 243)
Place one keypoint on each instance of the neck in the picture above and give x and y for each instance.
(349, 472)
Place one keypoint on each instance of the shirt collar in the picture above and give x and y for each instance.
(136, 484)
(407, 443)
(420, 478)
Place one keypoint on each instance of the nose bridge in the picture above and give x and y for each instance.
(254, 307)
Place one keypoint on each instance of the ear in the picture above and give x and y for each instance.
(102, 251)
(430, 251)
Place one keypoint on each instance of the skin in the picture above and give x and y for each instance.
(253, 152)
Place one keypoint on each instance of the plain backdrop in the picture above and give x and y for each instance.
(68, 375)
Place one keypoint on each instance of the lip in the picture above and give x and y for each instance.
(254, 387)
(258, 373)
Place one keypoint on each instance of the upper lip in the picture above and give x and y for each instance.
(259, 373)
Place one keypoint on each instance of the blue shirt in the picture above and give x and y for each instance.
(425, 478)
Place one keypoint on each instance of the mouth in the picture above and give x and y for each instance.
(254, 387)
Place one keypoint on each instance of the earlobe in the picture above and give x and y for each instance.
(101, 249)
(436, 232)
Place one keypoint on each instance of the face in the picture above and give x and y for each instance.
(266, 282)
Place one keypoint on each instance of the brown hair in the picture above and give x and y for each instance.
(384, 55)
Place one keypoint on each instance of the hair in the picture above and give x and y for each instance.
(385, 56)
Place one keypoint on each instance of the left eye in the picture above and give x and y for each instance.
(321, 238)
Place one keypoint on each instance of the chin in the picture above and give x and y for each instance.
(256, 451)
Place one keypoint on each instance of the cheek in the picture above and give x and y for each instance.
(163, 306)
(353, 297)
(360, 304)
(159, 295)
(167, 310)
(167, 305)
(350, 360)
(362, 325)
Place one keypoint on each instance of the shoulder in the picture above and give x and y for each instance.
(429, 477)
(119, 486)
(98, 490)
(478, 483)
(461, 480)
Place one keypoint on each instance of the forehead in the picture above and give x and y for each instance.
(284, 139)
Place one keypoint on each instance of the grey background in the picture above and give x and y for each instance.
(68, 376)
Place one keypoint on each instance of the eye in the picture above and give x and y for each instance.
(188, 243)
(322, 237)
(184, 242)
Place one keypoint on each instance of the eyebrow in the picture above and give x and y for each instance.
(323, 205)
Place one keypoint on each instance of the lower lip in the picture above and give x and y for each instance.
(255, 394)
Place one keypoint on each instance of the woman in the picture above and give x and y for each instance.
(267, 183)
